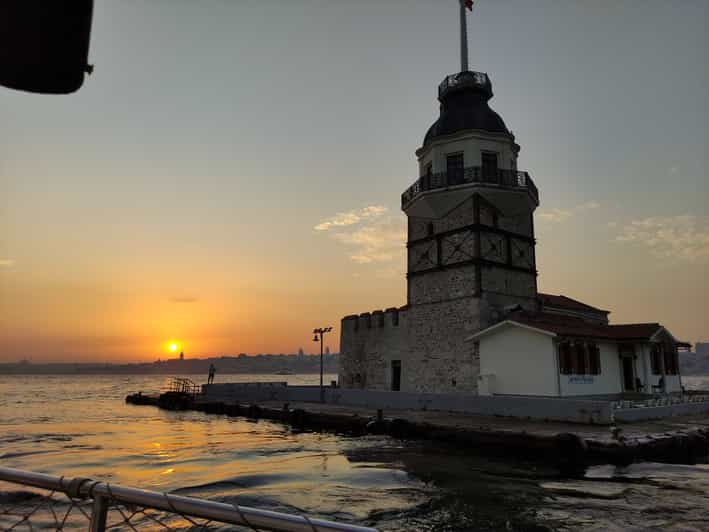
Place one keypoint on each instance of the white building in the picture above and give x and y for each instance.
(569, 349)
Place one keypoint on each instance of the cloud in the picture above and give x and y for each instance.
(684, 236)
(371, 234)
(183, 299)
(344, 219)
(6, 263)
(561, 215)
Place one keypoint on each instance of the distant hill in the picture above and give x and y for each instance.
(227, 364)
(695, 362)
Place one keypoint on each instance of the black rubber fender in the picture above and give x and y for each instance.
(572, 453)
(298, 418)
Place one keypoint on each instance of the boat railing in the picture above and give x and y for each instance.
(66, 503)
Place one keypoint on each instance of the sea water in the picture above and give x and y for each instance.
(81, 426)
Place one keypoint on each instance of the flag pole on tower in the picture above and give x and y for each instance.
(464, 4)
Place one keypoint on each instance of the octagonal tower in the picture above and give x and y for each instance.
(470, 213)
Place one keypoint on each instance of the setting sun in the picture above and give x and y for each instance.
(173, 347)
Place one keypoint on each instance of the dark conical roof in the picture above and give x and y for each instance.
(464, 98)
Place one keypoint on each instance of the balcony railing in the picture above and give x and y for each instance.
(463, 79)
(473, 174)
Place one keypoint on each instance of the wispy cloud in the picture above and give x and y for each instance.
(371, 234)
(6, 263)
(183, 299)
(684, 236)
(343, 219)
(561, 215)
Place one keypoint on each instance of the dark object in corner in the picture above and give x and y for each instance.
(44, 45)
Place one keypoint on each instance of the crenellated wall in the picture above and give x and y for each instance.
(427, 339)
(370, 342)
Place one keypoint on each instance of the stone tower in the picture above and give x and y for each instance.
(470, 232)
(470, 250)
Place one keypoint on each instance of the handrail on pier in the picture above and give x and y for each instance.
(106, 495)
(184, 386)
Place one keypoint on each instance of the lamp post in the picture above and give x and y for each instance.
(318, 337)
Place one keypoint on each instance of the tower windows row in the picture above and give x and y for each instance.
(455, 166)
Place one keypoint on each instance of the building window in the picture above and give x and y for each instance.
(671, 360)
(579, 358)
(655, 360)
(426, 180)
(454, 169)
(429, 229)
(594, 359)
(565, 358)
(489, 166)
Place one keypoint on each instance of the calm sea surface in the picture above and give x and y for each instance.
(81, 426)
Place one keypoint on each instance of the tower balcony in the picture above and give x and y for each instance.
(488, 180)
(462, 80)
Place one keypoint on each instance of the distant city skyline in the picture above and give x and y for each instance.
(229, 177)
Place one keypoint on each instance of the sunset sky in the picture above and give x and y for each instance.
(230, 176)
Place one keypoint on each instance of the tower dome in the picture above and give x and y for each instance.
(464, 106)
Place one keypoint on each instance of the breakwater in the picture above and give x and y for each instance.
(570, 446)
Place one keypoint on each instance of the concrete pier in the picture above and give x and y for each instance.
(570, 445)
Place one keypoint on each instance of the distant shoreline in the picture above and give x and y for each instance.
(242, 364)
(114, 373)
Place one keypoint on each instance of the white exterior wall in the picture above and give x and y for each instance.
(522, 362)
(609, 381)
(472, 145)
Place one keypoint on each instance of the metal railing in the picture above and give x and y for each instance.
(473, 174)
(463, 79)
(184, 386)
(86, 504)
(662, 400)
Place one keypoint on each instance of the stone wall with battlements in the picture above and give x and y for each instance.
(368, 343)
(428, 340)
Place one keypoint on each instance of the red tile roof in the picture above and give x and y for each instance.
(550, 300)
(572, 326)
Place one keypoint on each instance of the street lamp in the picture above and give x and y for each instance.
(318, 336)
